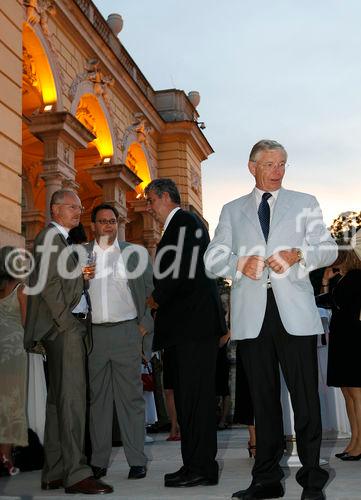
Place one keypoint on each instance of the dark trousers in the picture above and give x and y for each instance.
(65, 410)
(194, 365)
(297, 356)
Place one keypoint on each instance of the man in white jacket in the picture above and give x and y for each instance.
(267, 242)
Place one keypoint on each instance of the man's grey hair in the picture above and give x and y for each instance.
(58, 196)
(160, 186)
(265, 145)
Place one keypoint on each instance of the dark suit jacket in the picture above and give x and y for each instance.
(189, 306)
(49, 310)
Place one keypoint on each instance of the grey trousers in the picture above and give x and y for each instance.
(114, 374)
(65, 410)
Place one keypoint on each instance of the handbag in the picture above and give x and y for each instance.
(325, 300)
(147, 379)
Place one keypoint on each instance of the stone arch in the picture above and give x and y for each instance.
(40, 68)
(136, 160)
(130, 138)
(95, 115)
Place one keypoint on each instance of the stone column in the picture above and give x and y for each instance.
(115, 181)
(34, 221)
(62, 134)
(152, 229)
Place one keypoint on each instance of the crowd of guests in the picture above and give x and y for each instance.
(100, 322)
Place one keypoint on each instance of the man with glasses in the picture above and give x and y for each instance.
(121, 325)
(57, 315)
(267, 242)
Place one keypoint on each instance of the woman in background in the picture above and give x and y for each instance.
(345, 343)
(13, 361)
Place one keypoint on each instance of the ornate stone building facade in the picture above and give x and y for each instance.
(76, 111)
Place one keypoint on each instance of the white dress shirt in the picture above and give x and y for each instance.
(169, 217)
(62, 230)
(109, 291)
(82, 306)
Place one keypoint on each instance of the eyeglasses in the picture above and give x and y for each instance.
(107, 221)
(269, 165)
(72, 207)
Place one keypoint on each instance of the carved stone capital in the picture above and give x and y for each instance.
(115, 173)
(61, 123)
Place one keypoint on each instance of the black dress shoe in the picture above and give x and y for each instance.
(52, 485)
(155, 428)
(99, 472)
(260, 491)
(312, 495)
(178, 473)
(189, 479)
(89, 486)
(137, 472)
(340, 455)
(351, 458)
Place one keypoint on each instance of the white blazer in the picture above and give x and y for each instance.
(297, 222)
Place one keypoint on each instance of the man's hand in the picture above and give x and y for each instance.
(224, 339)
(88, 271)
(251, 266)
(281, 261)
(142, 330)
(329, 273)
(152, 303)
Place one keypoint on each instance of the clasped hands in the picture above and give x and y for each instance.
(253, 266)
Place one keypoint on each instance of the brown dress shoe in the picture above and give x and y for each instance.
(89, 486)
(52, 485)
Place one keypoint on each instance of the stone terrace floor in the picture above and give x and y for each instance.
(345, 478)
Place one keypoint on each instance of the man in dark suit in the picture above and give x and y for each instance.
(188, 322)
(56, 315)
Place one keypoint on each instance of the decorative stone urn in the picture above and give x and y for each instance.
(115, 22)
(194, 97)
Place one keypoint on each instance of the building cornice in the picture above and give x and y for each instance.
(189, 131)
(112, 54)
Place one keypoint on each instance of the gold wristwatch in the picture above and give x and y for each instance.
(299, 255)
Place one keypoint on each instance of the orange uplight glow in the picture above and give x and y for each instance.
(91, 115)
(41, 65)
(137, 161)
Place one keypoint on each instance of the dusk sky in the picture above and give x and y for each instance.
(279, 69)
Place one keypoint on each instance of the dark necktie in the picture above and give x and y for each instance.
(264, 214)
(69, 240)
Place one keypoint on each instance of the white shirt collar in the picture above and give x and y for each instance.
(61, 229)
(169, 217)
(114, 245)
(258, 193)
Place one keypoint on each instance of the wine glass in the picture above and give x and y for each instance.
(89, 267)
